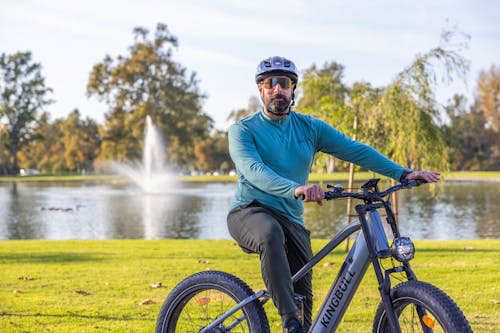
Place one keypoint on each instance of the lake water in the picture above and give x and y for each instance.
(453, 210)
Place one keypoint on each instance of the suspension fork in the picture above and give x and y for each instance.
(385, 283)
(377, 244)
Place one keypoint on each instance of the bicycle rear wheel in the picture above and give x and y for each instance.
(203, 297)
(421, 307)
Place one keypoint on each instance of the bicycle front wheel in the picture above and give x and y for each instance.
(202, 298)
(421, 307)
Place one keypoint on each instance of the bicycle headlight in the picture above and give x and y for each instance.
(403, 249)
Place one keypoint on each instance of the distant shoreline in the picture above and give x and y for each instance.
(487, 176)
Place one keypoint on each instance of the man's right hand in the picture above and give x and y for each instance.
(311, 192)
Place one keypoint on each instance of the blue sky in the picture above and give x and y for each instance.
(223, 40)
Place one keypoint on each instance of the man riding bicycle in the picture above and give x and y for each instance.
(273, 150)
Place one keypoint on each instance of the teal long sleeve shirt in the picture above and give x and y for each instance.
(274, 157)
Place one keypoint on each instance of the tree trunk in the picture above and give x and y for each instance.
(330, 164)
(351, 181)
(395, 202)
(15, 168)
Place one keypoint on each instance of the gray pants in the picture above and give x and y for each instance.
(284, 247)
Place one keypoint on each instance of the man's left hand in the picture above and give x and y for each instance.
(428, 176)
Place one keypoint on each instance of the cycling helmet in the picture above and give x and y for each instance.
(276, 66)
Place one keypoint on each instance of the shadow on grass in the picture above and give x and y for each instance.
(79, 315)
(455, 250)
(51, 257)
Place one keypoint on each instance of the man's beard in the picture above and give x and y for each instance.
(278, 104)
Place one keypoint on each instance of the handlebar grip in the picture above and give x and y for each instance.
(413, 182)
(329, 195)
(419, 182)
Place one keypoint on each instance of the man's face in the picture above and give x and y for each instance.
(276, 93)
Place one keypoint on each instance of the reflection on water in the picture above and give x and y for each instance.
(457, 210)
(471, 206)
(451, 210)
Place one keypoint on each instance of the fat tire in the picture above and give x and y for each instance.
(211, 280)
(434, 300)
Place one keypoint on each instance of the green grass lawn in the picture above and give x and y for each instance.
(324, 177)
(105, 286)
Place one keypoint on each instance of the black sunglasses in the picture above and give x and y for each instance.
(271, 82)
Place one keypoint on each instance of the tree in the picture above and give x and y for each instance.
(46, 151)
(81, 142)
(473, 131)
(488, 102)
(322, 94)
(253, 106)
(319, 84)
(468, 139)
(408, 113)
(66, 144)
(118, 143)
(148, 81)
(488, 99)
(213, 154)
(401, 120)
(22, 94)
(4, 152)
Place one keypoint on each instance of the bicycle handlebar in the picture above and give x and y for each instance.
(372, 195)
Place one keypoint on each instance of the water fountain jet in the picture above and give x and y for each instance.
(152, 174)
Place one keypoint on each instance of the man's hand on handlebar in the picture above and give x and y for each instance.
(314, 192)
(428, 176)
(310, 192)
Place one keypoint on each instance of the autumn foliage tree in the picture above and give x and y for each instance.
(473, 132)
(147, 81)
(81, 142)
(45, 152)
(253, 106)
(212, 154)
(488, 99)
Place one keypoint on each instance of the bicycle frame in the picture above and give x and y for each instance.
(370, 245)
(346, 283)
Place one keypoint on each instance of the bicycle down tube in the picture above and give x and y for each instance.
(340, 295)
